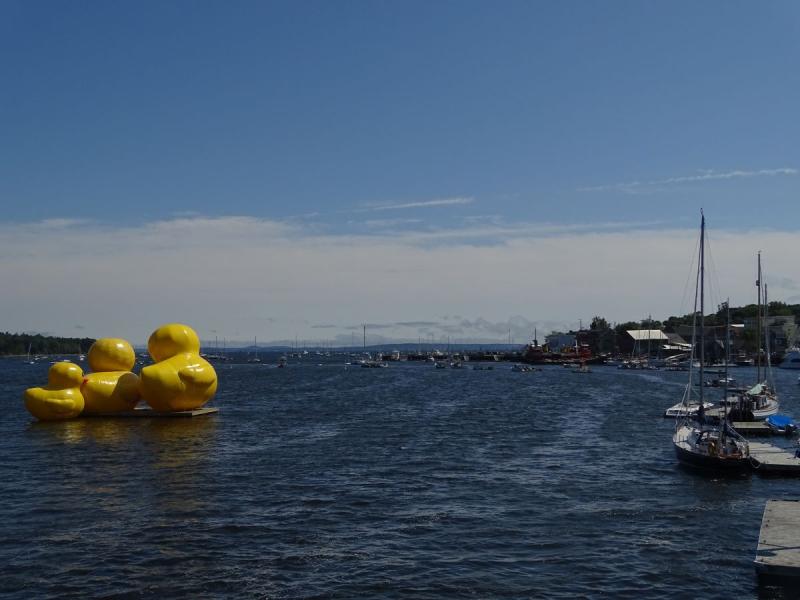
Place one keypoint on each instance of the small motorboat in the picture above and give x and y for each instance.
(781, 424)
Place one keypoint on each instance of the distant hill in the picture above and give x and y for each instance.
(19, 343)
(387, 347)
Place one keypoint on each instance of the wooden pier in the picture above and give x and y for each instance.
(774, 459)
(149, 413)
(778, 552)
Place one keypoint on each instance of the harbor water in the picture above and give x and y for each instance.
(326, 481)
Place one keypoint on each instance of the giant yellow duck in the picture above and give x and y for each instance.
(111, 387)
(61, 398)
(180, 379)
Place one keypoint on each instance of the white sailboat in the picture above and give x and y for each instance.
(696, 442)
(760, 400)
(255, 358)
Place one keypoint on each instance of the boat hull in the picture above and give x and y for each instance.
(711, 463)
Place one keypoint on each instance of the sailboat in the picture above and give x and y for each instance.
(760, 401)
(255, 359)
(698, 443)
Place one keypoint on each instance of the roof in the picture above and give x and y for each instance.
(643, 335)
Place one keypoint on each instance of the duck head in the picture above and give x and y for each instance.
(172, 339)
(111, 354)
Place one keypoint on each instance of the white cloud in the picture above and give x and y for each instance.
(388, 223)
(422, 204)
(237, 277)
(704, 175)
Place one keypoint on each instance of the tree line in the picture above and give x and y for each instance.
(604, 334)
(20, 343)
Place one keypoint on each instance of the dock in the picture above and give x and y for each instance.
(752, 427)
(149, 413)
(778, 552)
(715, 415)
(774, 459)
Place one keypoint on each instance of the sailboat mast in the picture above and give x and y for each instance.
(768, 365)
(727, 351)
(702, 304)
(758, 323)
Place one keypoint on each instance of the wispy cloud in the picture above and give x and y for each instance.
(497, 231)
(421, 204)
(388, 223)
(703, 175)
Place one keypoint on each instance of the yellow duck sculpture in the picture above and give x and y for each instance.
(61, 398)
(180, 379)
(111, 387)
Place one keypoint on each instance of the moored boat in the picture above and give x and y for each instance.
(696, 442)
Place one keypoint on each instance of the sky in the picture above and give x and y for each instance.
(471, 170)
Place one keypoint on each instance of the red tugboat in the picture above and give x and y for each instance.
(581, 353)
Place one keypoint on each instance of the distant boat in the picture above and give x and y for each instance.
(373, 364)
(255, 359)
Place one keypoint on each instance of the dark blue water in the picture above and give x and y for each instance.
(407, 482)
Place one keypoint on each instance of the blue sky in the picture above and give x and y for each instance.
(437, 127)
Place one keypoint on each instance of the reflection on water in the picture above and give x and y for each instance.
(80, 431)
(186, 439)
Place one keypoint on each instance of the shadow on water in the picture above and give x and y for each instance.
(713, 475)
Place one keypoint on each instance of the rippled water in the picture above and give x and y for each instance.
(406, 482)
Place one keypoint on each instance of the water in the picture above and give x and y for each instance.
(319, 481)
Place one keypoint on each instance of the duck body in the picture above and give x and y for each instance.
(179, 379)
(61, 398)
(110, 391)
(182, 382)
(112, 387)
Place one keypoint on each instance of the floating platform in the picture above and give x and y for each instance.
(752, 428)
(149, 413)
(773, 459)
(778, 552)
